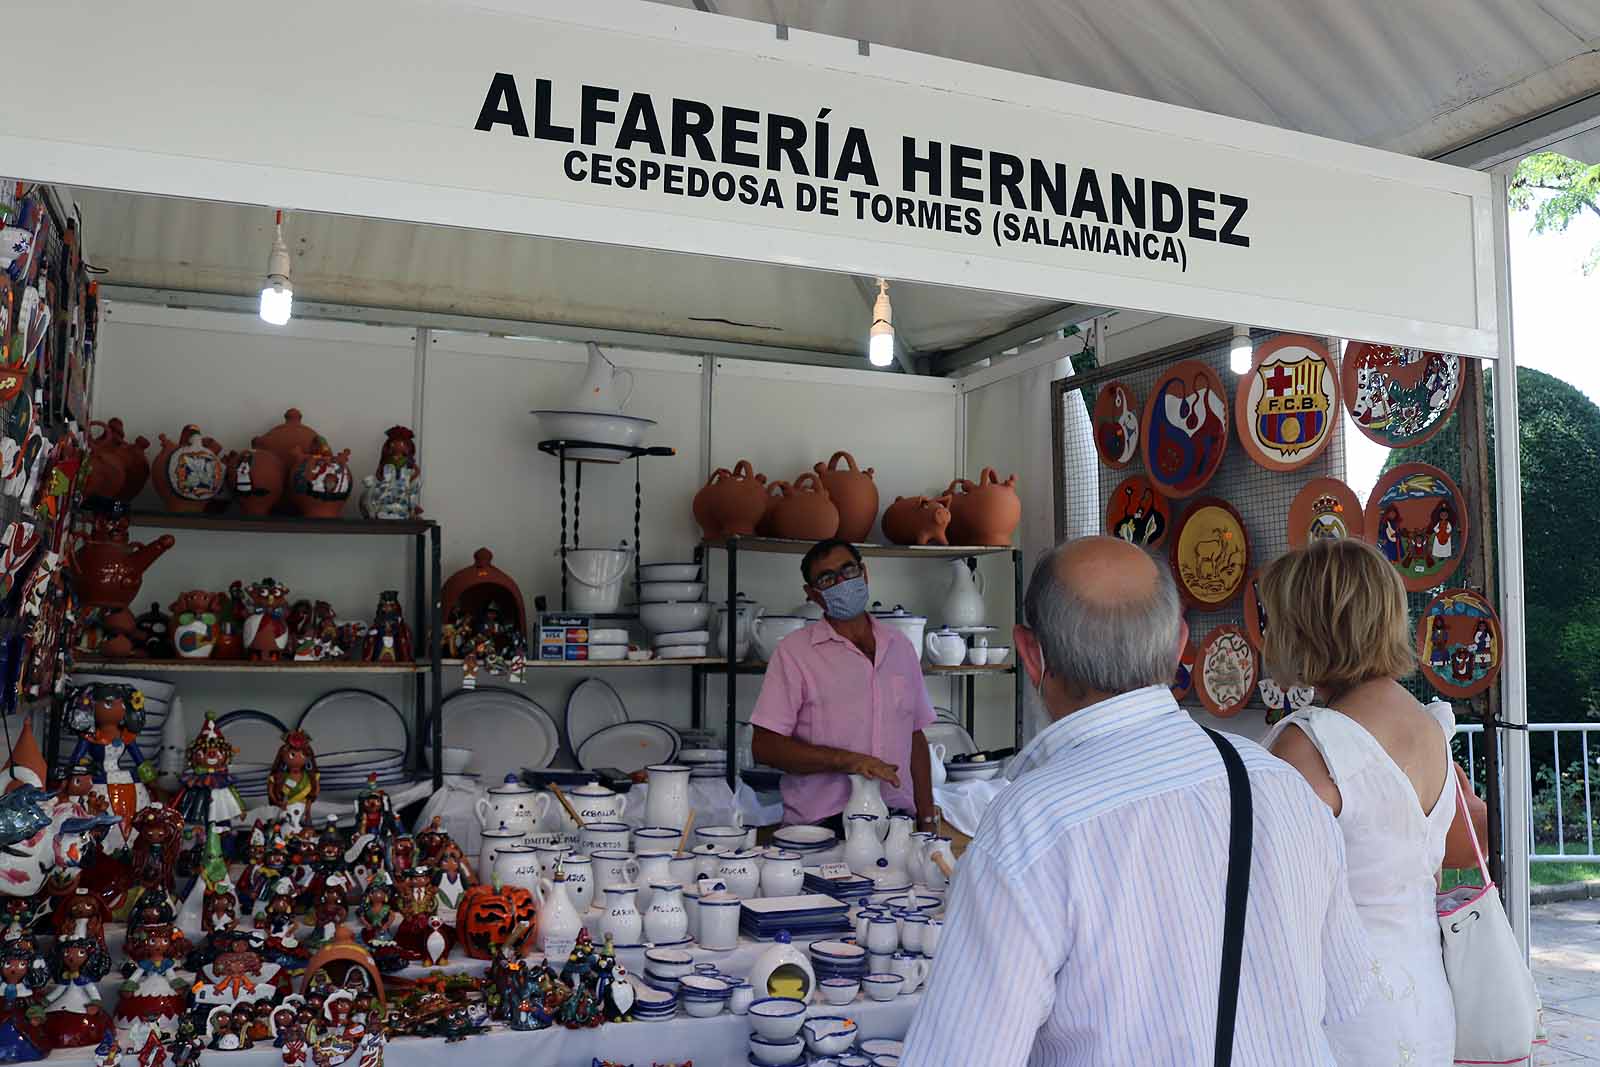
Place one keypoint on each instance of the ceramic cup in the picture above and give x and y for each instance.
(883, 934)
(719, 922)
(864, 917)
(913, 932)
(910, 966)
(656, 837)
(604, 837)
(685, 869)
(930, 936)
(739, 1000)
(998, 654)
(614, 868)
(977, 655)
(580, 880)
(878, 962)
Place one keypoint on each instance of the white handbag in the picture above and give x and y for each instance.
(1497, 1005)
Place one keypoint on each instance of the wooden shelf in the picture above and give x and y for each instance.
(799, 548)
(242, 666)
(929, 671)
(289, 524)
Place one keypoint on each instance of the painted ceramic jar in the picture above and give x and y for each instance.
(256, 476)
(319, 480)
(622, 921)
(189, 472)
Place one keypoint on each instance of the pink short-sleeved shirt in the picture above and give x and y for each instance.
(820, 688)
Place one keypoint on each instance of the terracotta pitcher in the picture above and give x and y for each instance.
(853, 492)
(256, 476)
(281, 441)
(731, 503)
(805, 513)
(189, 472)
(110, 568)
(986, 512)
(917, 520)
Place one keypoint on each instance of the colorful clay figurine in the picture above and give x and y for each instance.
(418, 902)
(266, 628)
(395, 490)
(157, 631)
(319, 480)
(208, 798)
(194, 618)
(293, 782)
(157, 839)
(189, 472)
(314, 632)
(375, 813)
(451, 883)
(389, 640)
(75, 1017)
(612, 988)
(257, 478)
(155, 990)
(487, 642)
(231, 617)
(107, 718)
(237, 974)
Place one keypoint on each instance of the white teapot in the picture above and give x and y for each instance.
(514, 804)
(946, 648)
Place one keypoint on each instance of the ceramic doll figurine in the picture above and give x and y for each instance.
(397, 466)
(75, 1017)
(402, 854)
(222, 1034)
(451, 883)
(333, 908)
(107, 718)
(431, 841)
(158, 837)
(327, 864)
(237, 973)
(612, 988)
(193, 621)
(266, 629)
(279, 928)
(82, 907)
(389, 640)
(221, 908)
(374, 813)
(368, 862)
(329, 645)
(151, 913)
(293, 782)
(24, 978)
(155, 990)
(231, 616)
(158, 633)
(208, 798)
(418, 901)
(377, 917)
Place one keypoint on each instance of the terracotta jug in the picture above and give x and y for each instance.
(287, 436)
(917, 520)
(804, 512)
(853, 492)
(135, 466)
(986, 512)
(731, 503)
(110, 568)
(256, 476)
(118, 469)
(775, 491)
(319, 480)
(189, 472)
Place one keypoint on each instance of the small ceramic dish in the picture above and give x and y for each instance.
(700, 1007)
(669, 962)
(884, 986)
(779, 1018)
(882, 1046)
(669, 572)
(671, 592)
(701, 984)
(774, 1051)
(839, 991)
(828, 1035)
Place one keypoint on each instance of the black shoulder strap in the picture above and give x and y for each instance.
(1238, 891)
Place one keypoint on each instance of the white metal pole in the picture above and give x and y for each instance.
(1513, 621)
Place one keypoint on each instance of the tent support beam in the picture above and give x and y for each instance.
(946, 363)
(1512, 142)
(381, 316)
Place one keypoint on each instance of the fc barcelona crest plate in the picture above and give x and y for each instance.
(1287, 406)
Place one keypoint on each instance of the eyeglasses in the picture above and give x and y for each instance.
(829, 579)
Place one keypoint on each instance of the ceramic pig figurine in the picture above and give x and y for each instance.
(917, 520)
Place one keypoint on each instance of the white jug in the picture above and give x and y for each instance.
(491, 842)
(559, 921)
(665, 922)
(936, 769)
(897, 845)
(667, 802)
(916, 858)
(862, 847)
(938, 847)
(946, 648)
(580, 881)
(963, 604)
(654, 869)
(745, 613)
(866, 798)
(622, 922)
(598, 391)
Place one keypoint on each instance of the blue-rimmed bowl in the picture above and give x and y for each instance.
(778, 1018)
(883, 986)
(829, 1035)
(838, 991)
(777, 1050)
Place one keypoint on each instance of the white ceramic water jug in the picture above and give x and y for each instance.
(667, 802)
(606, 387)
(963, 604)
(866, 798)
(665, 922)
(622, 920)
(862, 847)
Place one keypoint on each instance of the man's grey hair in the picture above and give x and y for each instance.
(1095, 647)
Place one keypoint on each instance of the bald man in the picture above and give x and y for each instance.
(1085, 925)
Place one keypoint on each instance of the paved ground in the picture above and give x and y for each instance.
(1566, 964)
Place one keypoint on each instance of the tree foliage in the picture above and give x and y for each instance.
(1558, 190)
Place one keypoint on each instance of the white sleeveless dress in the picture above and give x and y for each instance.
(1392, 850)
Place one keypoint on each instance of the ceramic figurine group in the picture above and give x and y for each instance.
(486, 642)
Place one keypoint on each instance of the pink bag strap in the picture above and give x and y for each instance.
(1472, 830)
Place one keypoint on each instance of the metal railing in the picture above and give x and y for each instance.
(1561, 771)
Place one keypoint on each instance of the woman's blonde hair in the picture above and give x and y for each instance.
(1336, 617)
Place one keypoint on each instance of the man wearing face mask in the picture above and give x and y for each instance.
(844, 696)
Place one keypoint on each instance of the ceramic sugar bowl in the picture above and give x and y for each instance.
(513, 804)
(595, 803)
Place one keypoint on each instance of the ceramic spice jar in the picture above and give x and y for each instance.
(853, 492)
(805, 512)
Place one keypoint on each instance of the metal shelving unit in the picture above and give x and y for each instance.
(731, 668)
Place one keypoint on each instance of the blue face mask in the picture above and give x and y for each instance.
(845, 600)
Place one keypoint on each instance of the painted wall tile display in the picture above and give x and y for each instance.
(1226, 673)
(1185, 429)
(1210, 553)
(1286, 408)
(1325, 509)
(1418, 519)
(1399, 396)
(1116, 424)
(1137, 513)
(1458, 643)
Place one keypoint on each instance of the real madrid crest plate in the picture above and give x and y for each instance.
(1399, 396)
(1325, 509)
(1210, 553)
(1116, 425)
(1137, 513)
(1458, 643)
(1287, 406)
(1225, 675)
(1185, 429)
(1418, 519)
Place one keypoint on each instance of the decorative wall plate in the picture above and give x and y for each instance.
(1183, 679)
(1137, 513)
(1287, 406)
(1281, 702)
(1255, 617)
(1210, 553)
(1458, 643)
(1225, 675)
(1185, 428)
(1418, 519)
(1325, 509)
(1116, 425)
(1399, 396)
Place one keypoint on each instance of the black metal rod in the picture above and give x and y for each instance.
(971, 701)
(731, 648)
(697, 677)
(436, 643)
(561, 464)
(638, 542)
(1016, 654)
(420, 616)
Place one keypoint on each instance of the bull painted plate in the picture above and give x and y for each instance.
(1210, 553)
(1137, 513)
(1399, 396)
(1418, 519)
(1116, 425)
(1225, 674)
(1255, 617)
(1183, 678)
(1458, 643)
(1325, 509)
(1288, 405)
(1185, 430)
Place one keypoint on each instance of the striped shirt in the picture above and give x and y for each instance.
(1085, 923)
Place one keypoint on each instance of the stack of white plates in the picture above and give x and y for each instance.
(806, 840)
(686, 644)
(704, 762)
(973, 772)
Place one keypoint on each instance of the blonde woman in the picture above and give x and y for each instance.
(1336, 620)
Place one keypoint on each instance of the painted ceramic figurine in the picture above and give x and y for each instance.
(208, 798)
(395, 491)
(155, 990)
(375, 813)
(107, 718)
(294, 782)
(487, 642)
(75, 1016)
(266, 629)
(193, 622)
(236, 974)
(389, 640)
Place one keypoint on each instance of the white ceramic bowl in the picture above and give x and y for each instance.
(829, 1035)
(669, 572)
(598, 427)
(687, 637)
(453, 760)
(838, 991)
(674, 618)
(607, 653)
(704, 1009)
(670, 592)
(682, 652)
(777, 1050)
(883, 987)
(669, 962)
(997, 655)
(780, 1018)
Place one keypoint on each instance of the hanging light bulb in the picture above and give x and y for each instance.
(1241, 353)
(277, 297)
(880, 339)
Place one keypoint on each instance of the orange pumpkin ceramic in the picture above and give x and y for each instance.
(489, 917)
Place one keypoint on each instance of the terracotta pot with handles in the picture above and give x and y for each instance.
(731, 503)
(853, 492)
(804, 512)
(917, 520)
(985, 512)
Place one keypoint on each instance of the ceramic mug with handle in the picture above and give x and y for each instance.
(910, 966)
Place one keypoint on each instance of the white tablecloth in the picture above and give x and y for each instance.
(964, 803)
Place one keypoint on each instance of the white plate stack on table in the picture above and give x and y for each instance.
(673, 609)
(807, 916)
(811, 842)
(704, 762)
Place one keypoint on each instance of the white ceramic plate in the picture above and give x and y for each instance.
(354, 718)
(255, 734)
(682, 652)
(592, 706)
(974, 772)
(504, 729)
(629, 746)
(810, 902)
(686, 637)
(953, 736)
